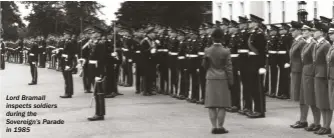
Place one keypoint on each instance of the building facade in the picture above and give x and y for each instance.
(271, 11)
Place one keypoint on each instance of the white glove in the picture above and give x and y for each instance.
(114, 54)
(157, 41)
(262, 71)
(287, 65)
(130, 60)
(98, 79)
(67, 67)
(153, 50)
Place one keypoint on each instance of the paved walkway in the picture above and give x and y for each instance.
(131, 115)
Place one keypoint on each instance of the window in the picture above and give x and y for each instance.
(315, 9)
(242, 8)
(283, 11)
(231, 11)
(269, 11)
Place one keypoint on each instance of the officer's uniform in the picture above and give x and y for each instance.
(256, 62)
(272, 44)
(42, 54)
(295, 64)
(69, 62)
(284, 44)
(244, 67)
(111, 89)
(235, 89)
(138, 57)
(205, 42)
(163, 63)
(33, 56)
(183, 67)
(127, 68)
(172, 60)
(194, 63)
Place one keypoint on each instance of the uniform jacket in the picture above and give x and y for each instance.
(295, 55)
(226, 39)
(243, 37)
(319, 58)
(233, 44)
(33, 53)
(307, 57)
(257, 40)
(330, 63)
(217, 62)
(284, 44)
(68, 55)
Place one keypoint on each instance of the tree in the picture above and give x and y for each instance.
(10, 20)
(168, 13)
(53, 17)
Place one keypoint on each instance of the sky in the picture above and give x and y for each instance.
(107, 13)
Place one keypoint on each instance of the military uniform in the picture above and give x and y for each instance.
(69, 62)
(127, 68)
(256, 62)
(284, 44)
(235, 88)
(163, 64)
(272, 44)
(111, 89)
(172, 60)
(42, 53)
(183, 67)
(33, 58)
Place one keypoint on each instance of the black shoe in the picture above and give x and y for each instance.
(272, 95)
(244, 111)
(222, 131)
(299, 124)
(137, 92)
(153, 93)
(32, 83)
(214, 131)
(95, 118)
(325, 131)
(312, 127)
(255, 115)
(66, 96)
(86, 91)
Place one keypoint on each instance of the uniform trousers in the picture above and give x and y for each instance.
(110, 84)
(88, 76)
(33, 71)
(42, 60)
(284, 77)
(163, 71)
(246, 80)
(194, 77)
(100, 107)
(2, 61)
(67, 74)
(235, 89)
(254, 84)
(173, 74)
(273, 74)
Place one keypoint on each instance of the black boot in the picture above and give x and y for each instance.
(99, 109)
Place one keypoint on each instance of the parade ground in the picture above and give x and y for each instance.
(131, 115)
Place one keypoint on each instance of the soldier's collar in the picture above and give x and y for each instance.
(309, 40)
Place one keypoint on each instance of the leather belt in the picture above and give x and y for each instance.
(124, 49)
(61, 48)
(40, 47)
(31, 54)
(243, 51)
(64, 55)
(272, 52)
(234, 55)
(281, 52)
(137, 51)
(201, 53)
(172, 53)
(251, 53)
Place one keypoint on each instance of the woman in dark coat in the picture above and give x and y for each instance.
(219, 77)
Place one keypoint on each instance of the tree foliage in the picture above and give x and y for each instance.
(10, 20)
(53, 17)
(169, 13)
